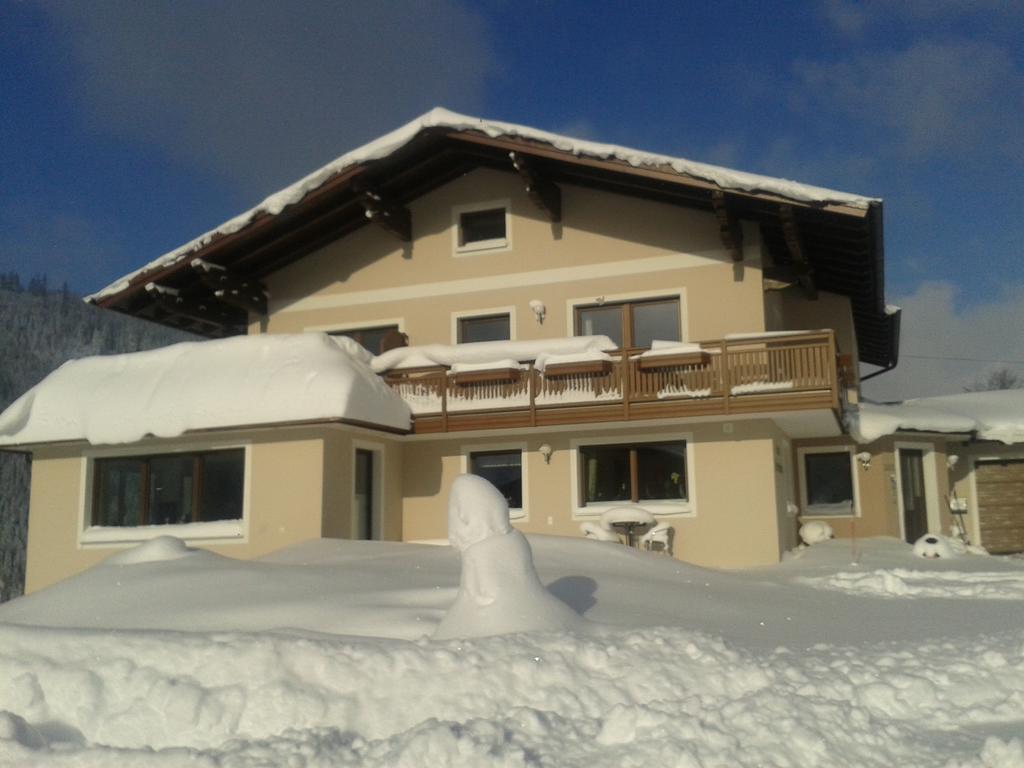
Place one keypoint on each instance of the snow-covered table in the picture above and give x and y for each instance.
(627, 519)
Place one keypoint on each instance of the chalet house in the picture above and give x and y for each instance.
(585, 325)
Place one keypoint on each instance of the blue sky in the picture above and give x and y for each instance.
(128, 128)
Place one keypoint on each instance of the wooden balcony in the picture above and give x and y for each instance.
(733, 376)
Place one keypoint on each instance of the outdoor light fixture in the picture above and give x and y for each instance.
(951, 460)
(545, 451)
(865, 459)
(539, 310)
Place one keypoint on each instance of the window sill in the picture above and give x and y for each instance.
(517, 514)
(219, 530)
(656, 508)
(482, 246)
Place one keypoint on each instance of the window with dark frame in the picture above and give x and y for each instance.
(484, 328)
(483, 229)
(168, 489)
(630, 324)
(369, 338)
(828, 479)
(633, 472)
(503, 470)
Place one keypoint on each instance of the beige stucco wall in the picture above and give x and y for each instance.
(607, 246)
(877, 486)
(293, 474)
(733, 488)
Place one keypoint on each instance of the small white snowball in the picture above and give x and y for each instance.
(934, 545)
(815, 531)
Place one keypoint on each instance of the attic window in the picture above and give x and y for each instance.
(482, 228)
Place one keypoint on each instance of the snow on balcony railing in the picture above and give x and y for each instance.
(571, 372)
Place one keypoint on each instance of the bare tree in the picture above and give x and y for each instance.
(998, 378)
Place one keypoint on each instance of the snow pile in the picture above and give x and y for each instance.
(499, 591)
(932, 545)
(995, 415)
(902, 582)
(753, 669)
(815, 532)
(264, 379)
(481, 352)
(442, 118)
(590, 356)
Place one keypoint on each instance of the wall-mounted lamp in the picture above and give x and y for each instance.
(951, 460)
(538, 309)
(545, 451)
(864, 457)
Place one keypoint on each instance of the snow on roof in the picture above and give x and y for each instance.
(443, 118)
(240, 381)
(995, 415)
(482, 352)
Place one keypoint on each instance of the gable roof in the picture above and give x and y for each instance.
(834, 235)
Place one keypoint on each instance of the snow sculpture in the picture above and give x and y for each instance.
(932, 545)
(815, 531)
(499, 591)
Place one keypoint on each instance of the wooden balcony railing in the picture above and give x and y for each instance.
(771, 372)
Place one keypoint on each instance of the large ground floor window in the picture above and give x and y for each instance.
(633, 472)
(504, 470)
(827, 483)
(169, 489)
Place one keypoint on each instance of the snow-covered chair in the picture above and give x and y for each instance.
(597, 532)
(658, 539)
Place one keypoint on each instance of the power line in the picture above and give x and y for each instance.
(964, 359)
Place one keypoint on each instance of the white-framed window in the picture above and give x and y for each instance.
(197, 493)
(655, 472)
(493, 324)
(482, 227)
(504, 466)
(828, 482)
(631, 320)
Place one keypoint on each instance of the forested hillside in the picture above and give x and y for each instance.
(39, 330)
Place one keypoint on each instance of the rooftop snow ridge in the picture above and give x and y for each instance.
(439, 117)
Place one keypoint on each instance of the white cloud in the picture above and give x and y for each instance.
(934, 97)
(938, 325)
(261, 91)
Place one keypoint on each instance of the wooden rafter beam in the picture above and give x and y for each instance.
(235, 291)
(209, 313)
(729, 228)
(396, 219)
(545, 194)
(794, 243)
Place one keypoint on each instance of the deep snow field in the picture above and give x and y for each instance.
(320, 655)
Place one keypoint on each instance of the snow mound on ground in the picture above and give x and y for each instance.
(158, 550)
(815, 532)
(664, 696)
(499, 590)
(263, 379)
(902, 582)
(932, 545)
(995, 415)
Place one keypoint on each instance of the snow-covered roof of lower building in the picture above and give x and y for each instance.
(241, 381)
(997, 415)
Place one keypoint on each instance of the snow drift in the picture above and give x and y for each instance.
(995, 415)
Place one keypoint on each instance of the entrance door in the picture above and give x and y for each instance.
(915, 506)
(363, 496)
